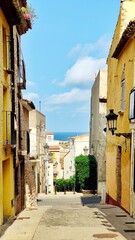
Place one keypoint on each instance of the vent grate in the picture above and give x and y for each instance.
(129, 230)
(129, 222)
(121, 215)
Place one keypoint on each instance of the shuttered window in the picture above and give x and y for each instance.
(123, 95)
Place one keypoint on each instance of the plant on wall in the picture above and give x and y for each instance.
(29, 13)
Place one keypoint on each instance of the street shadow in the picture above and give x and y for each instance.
(5, 226)
(90, 199)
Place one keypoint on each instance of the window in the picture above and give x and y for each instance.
(18, 53)
(123, 90)
(123, 95)
(6, 51)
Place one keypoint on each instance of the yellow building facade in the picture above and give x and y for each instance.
(6, 159)
(121, 81)
(11, 18)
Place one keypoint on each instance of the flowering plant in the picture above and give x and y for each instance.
(29, 13)
(26, 12)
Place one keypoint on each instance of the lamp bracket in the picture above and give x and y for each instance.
(126, 135)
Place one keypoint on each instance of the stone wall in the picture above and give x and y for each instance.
(30, 195)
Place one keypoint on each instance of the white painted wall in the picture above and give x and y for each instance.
(76, 148)
(50, 178)
(97, 124)
(37, 141)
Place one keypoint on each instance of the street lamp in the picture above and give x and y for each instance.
(55, 187)
(112, 124)
(112, 121)
(46, 148)
(85, 149)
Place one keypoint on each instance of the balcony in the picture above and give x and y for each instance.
(9, 132)
(22, 75)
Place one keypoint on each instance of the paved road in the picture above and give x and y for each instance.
(112, 217)
(67, 199)
(71, 217)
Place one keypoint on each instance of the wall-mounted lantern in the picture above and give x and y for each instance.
(112, 124)
(85, 149)
(112, 121)
(46, 148)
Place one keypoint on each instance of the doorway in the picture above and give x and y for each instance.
(118, 174)
(6, 190)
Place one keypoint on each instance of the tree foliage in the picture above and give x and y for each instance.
(65, 184)
(86, 172)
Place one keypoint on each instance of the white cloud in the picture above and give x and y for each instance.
(52, 108)
(55, 81)
(75, 95)
(83, 71)
(30, 96)
(83, 109)
(101, 47)
(30, 84)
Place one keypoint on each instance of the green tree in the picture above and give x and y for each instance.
(86, 172)
(65, 184)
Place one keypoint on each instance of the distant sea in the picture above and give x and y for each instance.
(64, 136)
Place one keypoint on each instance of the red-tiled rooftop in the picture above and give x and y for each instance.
(49, 133)
(54, 147)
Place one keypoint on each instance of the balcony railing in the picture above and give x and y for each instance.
(9, 132)
(22, 75)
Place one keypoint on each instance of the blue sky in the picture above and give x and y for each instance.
(64, 51)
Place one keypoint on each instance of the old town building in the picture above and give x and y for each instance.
(37, 124)
(77, 145)
(98, 127)
(120, 166)
(13, 24)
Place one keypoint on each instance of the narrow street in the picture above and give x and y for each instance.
(69, 217)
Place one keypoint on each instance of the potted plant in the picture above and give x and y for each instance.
(29, 13)
(26, 12)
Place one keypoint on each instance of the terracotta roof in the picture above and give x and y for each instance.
(54, 147)
(49, 133)
(127, 34)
